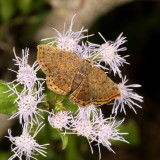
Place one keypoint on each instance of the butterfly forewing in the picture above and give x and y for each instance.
(59, 66)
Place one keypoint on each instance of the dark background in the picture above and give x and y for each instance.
(140, 23)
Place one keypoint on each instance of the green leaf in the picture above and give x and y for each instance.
(70, 105)
(59, 107)
(25, 5)
(64, 139)
(4, 154)
(132, 137)
(53, 98)
(132, 128)
(60, 102)
(7, 9)
(7, 105)
(74, 147)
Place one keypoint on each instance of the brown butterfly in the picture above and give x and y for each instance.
(68, 74)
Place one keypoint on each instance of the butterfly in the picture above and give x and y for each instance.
(68, 74)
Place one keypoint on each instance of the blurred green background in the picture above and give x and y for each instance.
(140, 23)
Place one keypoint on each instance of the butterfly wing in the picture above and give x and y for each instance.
(102, 88)
(95, 87)
(59, 66)
(81, 95)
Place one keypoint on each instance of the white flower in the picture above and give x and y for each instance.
(83, 127)
(82, 124)
(106, 130)
(26, 74)
(31, 95)
(91, 124)
(26, 145)
(69, 39)
(108, 53)
(87, 112)
(88, 52)
(127, 97)
(60, 120)
(27, 102)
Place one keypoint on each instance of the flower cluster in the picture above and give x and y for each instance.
(107, 53)
(25, 144)
(89, 122)
(29, 95)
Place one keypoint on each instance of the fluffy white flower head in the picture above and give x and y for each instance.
(86, 112)
(26, 74)
(69, 39)
(127, 97)
(27, 102)
(83, 127)
(60, 120)
(88, 52)
(83, 124)
(106, 130)
(26, 145)
(108, 53)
